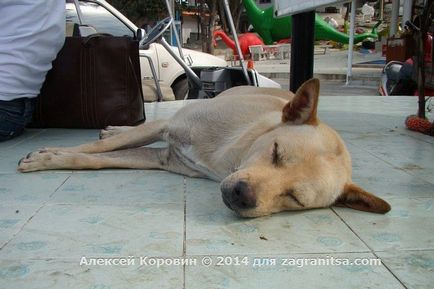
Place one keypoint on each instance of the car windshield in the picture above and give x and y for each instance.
(98, 17)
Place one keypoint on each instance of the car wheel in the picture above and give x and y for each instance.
(180, 88)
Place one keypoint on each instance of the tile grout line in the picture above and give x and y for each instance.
(402, 130)
(25, 139)
(390, 270)
(351, 229)
(37, 211)
(416, 138)
(184, 243)
(389, 163)
(371, 249)
(277, 255)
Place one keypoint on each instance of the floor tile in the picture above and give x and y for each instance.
(371, 105)
(12, 220)
(30, 188)
(60, 274)
(40, 142)
(66, 134)
(385, 180)
(27, 135)
(9, 161)
(406, 226)
(312, 231)
(403, 152)
(419, 136)
(295, 276)
(128, 188)
(343, 122)
(415, 269)
(66, 231)
(10, 155)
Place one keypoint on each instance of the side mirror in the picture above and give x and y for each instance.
(140, 33)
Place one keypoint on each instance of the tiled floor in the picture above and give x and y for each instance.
(50, 222)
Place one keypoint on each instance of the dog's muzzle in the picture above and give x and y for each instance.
(238, 196)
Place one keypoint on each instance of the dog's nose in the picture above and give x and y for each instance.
(239, 196)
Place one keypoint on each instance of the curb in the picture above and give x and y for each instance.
(357, 79)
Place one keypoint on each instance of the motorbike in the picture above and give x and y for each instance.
(395, 79)
(399, 78)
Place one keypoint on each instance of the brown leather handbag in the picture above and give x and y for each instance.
(95, 81)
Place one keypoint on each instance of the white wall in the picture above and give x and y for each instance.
(189, 25)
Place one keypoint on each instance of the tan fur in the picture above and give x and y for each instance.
(266, 146)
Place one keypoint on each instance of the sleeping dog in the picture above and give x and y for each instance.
(266, 146)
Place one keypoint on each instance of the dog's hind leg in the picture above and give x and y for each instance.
(141, 135)
(135, 158)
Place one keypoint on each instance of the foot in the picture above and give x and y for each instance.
(42, 160)
(112, 130)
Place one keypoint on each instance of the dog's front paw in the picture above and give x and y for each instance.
(42, 159)
(112, 130)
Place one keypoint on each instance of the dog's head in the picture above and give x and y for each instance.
(300, 164)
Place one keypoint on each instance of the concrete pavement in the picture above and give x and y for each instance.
(332, 65)
(337, 87)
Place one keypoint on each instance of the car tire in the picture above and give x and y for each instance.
(180, 88)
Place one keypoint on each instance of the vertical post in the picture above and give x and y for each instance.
(302, 46)
(394, 18)
(79, 13)
(407, 11)
(237, 44)
(382, 10)
(171, 5)
(351, 44)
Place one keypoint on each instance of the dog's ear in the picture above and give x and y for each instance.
(356, 198)
(302, 109)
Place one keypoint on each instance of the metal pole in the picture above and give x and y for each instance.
(406, 13)
(190, 73)
(302, 48)
(394, 18)
(351, 44)
(381, 10)
(237, 44)
(169, 9)
(154, 75)
(79, 13)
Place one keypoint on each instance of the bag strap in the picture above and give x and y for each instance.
(139, 85)
(92, 36)
(79, 13)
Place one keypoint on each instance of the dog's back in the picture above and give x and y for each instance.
(218, 131)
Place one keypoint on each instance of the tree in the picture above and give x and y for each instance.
(236, 8)
(207, 17)
(141, 12)
(147, 12)
(208, 14)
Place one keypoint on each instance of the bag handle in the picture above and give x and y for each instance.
(95, 35)
(139, 85)
(79, 13)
